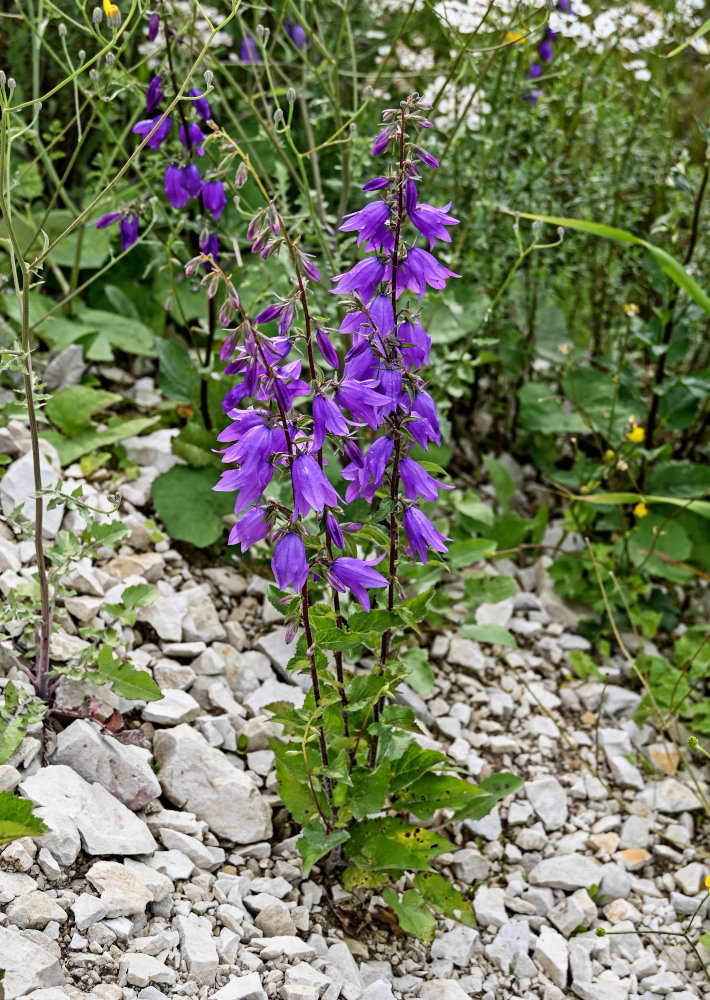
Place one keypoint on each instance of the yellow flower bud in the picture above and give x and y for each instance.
(113, 14)
(514, 36)
(608, 454)
(637, 435)
(640, 510)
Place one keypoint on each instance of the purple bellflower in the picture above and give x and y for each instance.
(421, 534)
(249, 51)
(153, 26)
(430, 221)
(417, 482)
(146, 126)
(127, 227)
(289, 562)
(200, 104)
(214, 198)
(154, 95)
(251, 528)
(193, 139)
(311, 490)
(355, 575)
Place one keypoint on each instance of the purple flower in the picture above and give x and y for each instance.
(153, 26)
(430, 221)
(351, 574)
(289, 562)
(191, 180)
(376, 184)
(420, 269)
(326, 348)
(148, 124)
(421, 533)
(535, 71)
(128, 227)
(361, 400)
(251, 527)
(334, 530)
(533, 96)
(363, 278)
(376, 461)
(249, 483)
(545, 50)
(326, 417)
(154, 95)
(563, 5)
(311, 490)
(194, 138)
(296, 33)
(424, 157)
(417, 482)
(177, 195)
(370, 224)
(210, 248)
(426, 427)
(200, 104)
(249, 51)
(310, 269)
(383, 140)
(214, 198)
(107, 220)
(416, 344)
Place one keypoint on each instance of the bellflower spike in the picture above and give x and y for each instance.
(191, 180)
(200, 104)
(382, 141)
(421, 533)
(146, 126)
(128, 227)
(416, 344)
(311, 489)
(334, 530)
(289, 562)
(355, 575)
(326, 349)
(154, 95)
(418, 483)
(214, 198)
(251, 528)
(545, 50)
(194, 138)
(153, 26)
(296, 33)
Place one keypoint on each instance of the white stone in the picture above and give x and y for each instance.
(200, 854)
(499, 613)
(10, 778)
(87, 910)
(140, 970)
(489, 907)
(106, 826)
(442, 989)
(548, 799)
(272, 690)
(283, 946)
(123, 769)
(201, 621)
(27, 965)
(166, 613)
(470, 866)
(466, 653)
(552, 955)
(123, 892)
(569, 872)
(669, 796)
(18, 482)
(195, 775)
(173, 708)
(153, 450)
(198, 947)
(456, 945)
(35, 910)
(379, 990)
(242, 988)
(691, 878)
(567, 915)
(157, 884)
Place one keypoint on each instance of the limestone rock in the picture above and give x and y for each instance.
(27, 965)
(123, 892)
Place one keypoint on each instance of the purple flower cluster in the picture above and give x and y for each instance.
(183, 180)
(372, 409)
(546, 52)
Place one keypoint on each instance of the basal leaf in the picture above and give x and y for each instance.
(17, 711)
(441, 894)
(314, 844)
(188, 505)
(495, 634)
(71, 409)
(413, 914)
(16, 819)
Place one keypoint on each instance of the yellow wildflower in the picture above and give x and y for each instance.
(640, 510)
(514, 36)
(631, 309)
(637, 435)
(113, 14)
(707, 882)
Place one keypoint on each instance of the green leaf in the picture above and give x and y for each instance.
(702, 30)
(294, 788)
(431, 792)
(126, 681)
(420, 675)
(314, 843)
(501, 479)
(115, 332)
(486, 589)
(700, 507)
(189, 507)
(337, 639)
(70, 449)
(16, 819)
(415, 762)
(495, 787)
(541, 410)
(390, 842)
(441, 894)
(179, 378)
(473, 550)
(363, 690)
(413, 914)
(17, 711)
(369, 789)
(71, 409)
(373, 621)
(669, 265)
(489, 633)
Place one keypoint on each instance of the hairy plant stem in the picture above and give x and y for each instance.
(44, 628)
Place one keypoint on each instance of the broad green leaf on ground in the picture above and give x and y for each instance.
(413, 914)
(441, 894)
(420, 674)
(132, 598)
(16, 819)
(495, 634)
(71, 409)
(669, 265)
(17, 711)
(314, 844)
(494, 788)
(126, 681)
(700, 507)
(541, 410)
(179, 378)
(189, 507)
(486, 589)
(431, 792)
(70, 449)
(390, 842)
(100, 333)
(501, 479)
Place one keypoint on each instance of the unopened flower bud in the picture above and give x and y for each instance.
(192, 266)
(260, 243)
(62, 29)
(3, 78)
(81, 55)
(110, 58)
(242, 174)
(11, 83)
(260, 31)
(537, 225)
(369, 92)
(96, 15)
(561, 232)
(209, 77)
(291, 95)
(93, 75)
(693, 742)
(37, 107)
(274, 221)
(278, 116)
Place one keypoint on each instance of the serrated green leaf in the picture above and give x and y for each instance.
(71, 409)
(420, 674)
(369, 788)
(70, 449)
(315, 843)
(16, 819)
(17, 712)
(441, 894)
(126, 681)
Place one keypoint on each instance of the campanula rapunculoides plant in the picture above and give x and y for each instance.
(352, 769)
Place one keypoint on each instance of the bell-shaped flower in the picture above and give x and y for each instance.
(154, 95)
(146, 126)
(430, 221)
(289, 562)
(370, 224)
(417, 482)
(193, 138)
(214, 198)
(415, 344)
(422, 534)
(326, 417)
(419, 269)
(128, 227)
(153, 26)
(348, 573)
(311, 489)
(200, 104)
(363, 278)
(249, 51)
(251, 527)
